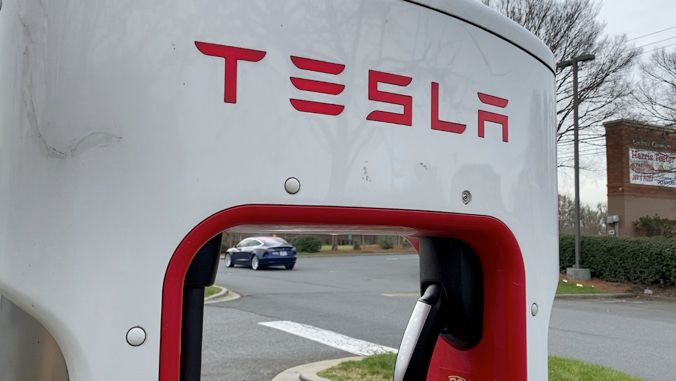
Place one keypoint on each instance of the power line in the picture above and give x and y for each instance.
(568, 143)
(652, 33)
(588, 138)
(589, 152)
(582, 154)
(588, 149)
(656, 42)
(656, 49)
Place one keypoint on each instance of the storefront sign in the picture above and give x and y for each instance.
(652, 168)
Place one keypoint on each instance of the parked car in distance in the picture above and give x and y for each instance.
(258, 252)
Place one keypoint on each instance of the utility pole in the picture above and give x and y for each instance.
(576, 272)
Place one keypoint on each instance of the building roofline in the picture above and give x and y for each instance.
(637, 123)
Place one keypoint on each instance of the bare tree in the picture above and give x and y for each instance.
(570, 28)
(656, 97)
(566, 215)
(592, 220)
(656, 93)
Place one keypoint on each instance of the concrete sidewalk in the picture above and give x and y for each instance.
(308, 372)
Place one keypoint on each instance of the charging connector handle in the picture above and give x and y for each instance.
(417, 344)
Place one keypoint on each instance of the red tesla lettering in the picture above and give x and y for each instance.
(231, 54)
(487, 116)
(317, 86)
(316, 65)
(406, 117)
(314, 86)
(442, 125)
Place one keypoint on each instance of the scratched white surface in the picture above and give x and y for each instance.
(115, 142)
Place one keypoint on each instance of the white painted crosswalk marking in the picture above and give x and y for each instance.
(330, 338)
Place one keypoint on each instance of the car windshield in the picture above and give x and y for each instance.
(273, 241)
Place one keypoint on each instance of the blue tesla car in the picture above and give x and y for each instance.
(258, 252)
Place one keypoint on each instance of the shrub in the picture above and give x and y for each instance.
(656, 226)
(356, 245)
(307, 244)
(647, 261)
(385, 243)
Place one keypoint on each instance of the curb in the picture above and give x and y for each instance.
(311, 377)
(224, 291)
(660, 298)
(308, 372)
(224, 295)
(595, 296)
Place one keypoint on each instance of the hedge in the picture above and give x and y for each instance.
(385, 243)
(647, 261)
(307, 244)
(656, 226)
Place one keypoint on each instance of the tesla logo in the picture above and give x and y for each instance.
(455, 378)
(317, 86)
(233, 55)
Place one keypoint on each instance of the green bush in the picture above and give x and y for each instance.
(385, 243)
(647, 261)
(307, 244)
(656, 226)
(356, 245)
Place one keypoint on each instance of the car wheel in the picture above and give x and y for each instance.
(289, 266)
(254, 263)
(228, 261)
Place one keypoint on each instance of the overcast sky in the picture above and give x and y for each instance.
(635, 19)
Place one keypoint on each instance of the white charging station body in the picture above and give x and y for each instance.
(124, 125)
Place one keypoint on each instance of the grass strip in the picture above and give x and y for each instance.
(372, 368)
(211, 290)
(563, 369)
(380, 367)
(572, 288)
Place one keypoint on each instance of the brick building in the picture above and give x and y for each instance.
(641, 172)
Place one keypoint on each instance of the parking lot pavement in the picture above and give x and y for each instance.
(237, 348)
(341, 295)
(370, 299)
(632, 335)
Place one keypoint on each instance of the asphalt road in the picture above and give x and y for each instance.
(635, 336)
(370, 298)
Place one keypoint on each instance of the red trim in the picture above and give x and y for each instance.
(501, 355)
(415, 242)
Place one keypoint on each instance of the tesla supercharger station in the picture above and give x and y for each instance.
(133, 133)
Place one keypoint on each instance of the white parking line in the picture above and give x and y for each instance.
(398, 294)
(332, 339)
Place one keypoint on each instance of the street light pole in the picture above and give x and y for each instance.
(577, 273)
